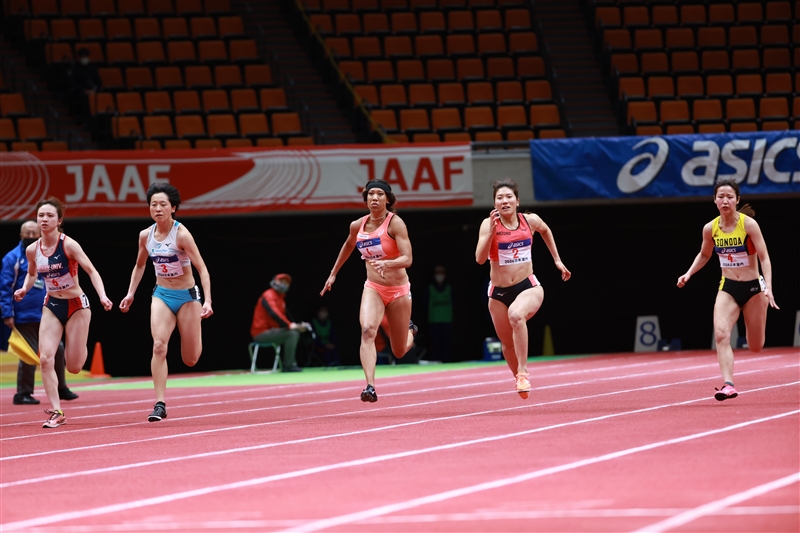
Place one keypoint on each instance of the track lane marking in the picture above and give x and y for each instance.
(409, 504)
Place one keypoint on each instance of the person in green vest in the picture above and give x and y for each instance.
(325, 337)
(440, 315)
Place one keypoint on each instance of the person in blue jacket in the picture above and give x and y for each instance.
(26, 314)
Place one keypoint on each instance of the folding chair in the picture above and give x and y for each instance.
(255, 346)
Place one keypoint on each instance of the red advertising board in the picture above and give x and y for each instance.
(224, 182)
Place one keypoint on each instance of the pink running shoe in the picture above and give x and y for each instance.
(56, 419)
(727, 391)
(523, 385)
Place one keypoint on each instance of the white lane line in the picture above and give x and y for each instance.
(264, 524)
(348, 399)
(399, 506)
(329, 415)
(713, 507)
(117, 468)
(319, 525)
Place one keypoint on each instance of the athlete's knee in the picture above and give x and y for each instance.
(368, 333)
(48, 361)
(516, 318)
(73, 367)
(160, 348)
(755, 345)
(721, 333)
(399, 350)
(190, 359)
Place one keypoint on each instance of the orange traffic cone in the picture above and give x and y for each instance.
(98, 369)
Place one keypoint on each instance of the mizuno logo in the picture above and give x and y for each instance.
(56, 256)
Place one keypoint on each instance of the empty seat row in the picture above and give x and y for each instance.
(478, 136)
(406, 22)
(711, 110)
(623, 39)
(443, 70)
(111, 8)
(12, 105)
(358, 6)
(184, 144)
(454, 95)
(426, 46)
(707, 62)
(189, 102)
(441, 120)
(23, 129)
(713, 127)
(153, 52)
(190, 77)
(632, 16)
(30, 146)
(716, 86)
(142, 29)
(252, 125)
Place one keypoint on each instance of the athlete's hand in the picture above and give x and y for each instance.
(107, 304)
(494, 218)
(328, 284)
(125, 304)
(19, 294)
(682, 280)
(206, 311)
(379, 266)
(771, 298)
(565, 273)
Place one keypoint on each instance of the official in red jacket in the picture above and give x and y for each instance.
(272, 322)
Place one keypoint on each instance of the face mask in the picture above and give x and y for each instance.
(280, 286)
(27, 242)
(439, 278)
(84, 61)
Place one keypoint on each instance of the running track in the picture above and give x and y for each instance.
(604, 443)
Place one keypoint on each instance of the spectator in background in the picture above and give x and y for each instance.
(325, 340)
(440, 315)
(272, 323)
(26, 314)
(84, 80)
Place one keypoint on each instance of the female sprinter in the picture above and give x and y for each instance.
(736, 238)
(56, 257)
(515, 294)
(382, 238)
(176, 298)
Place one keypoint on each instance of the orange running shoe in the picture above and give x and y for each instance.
(523, 385)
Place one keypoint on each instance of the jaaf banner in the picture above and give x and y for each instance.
(225, 182)
(761, 162)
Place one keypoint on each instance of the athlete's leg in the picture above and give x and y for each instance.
(370, 316)
(50, 331)
(524, 307)
(399, 314)
(502, 327)
(162, 324)
(755, 321)
(191, 333)
(75, 350)
(726, 313)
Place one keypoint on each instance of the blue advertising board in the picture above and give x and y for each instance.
(665, 166)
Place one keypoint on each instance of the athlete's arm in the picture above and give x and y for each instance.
(74, 250)
(399, 232)
(30, 277)
(754, 232)
(344, 253)
(485, 237)
(538, 225)
(138, 270)
(185, 242)
(706, 249)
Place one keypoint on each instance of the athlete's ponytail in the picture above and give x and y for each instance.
(746, 209)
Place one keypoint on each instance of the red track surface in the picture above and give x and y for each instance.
(607, 443)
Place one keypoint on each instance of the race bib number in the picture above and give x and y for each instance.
(511, 253)
(371, 248)
(167, 267)
(734, 260)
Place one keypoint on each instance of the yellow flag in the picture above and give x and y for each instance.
(19, 347)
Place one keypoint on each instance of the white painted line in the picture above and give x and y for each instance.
(399, 506)
(713, 507)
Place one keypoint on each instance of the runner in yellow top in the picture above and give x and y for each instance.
(736, 239)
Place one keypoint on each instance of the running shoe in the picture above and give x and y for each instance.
(727, 391)
(413, 328)
(56, 419)
(369, 394)
(159, 412)
(523, 385)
